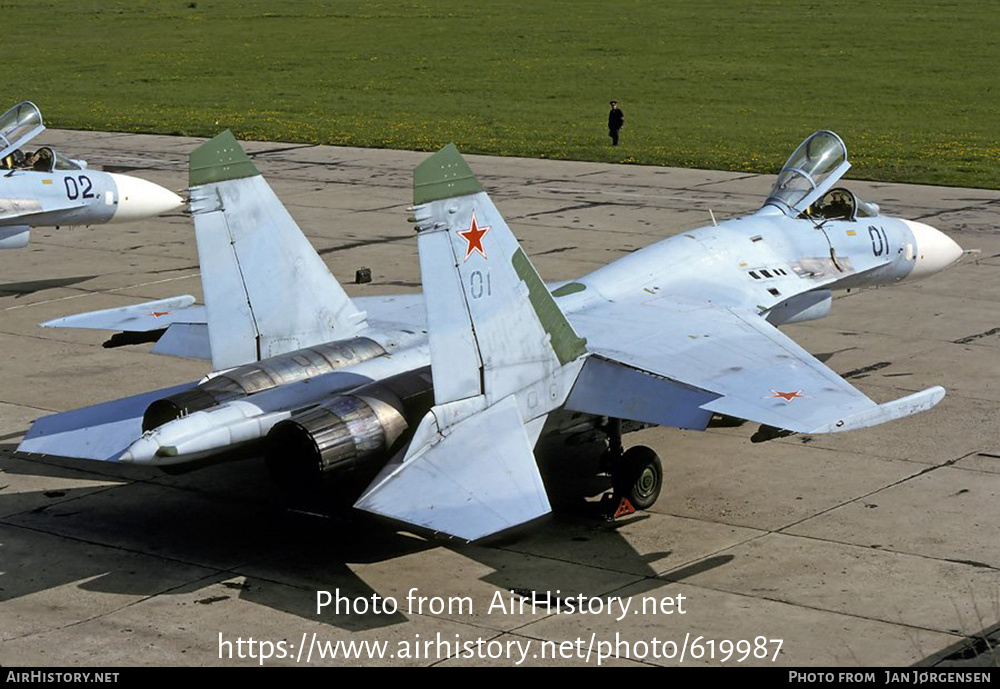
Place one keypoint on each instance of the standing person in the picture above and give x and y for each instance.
(616, 120)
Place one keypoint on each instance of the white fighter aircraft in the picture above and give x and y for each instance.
(43, 188)
(433, 403)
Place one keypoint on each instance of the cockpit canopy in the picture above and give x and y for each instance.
(812, 169)
(18, 126)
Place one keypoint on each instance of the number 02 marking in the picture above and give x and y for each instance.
(479, 285)
(73, 189)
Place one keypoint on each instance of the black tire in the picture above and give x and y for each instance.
(638, 476)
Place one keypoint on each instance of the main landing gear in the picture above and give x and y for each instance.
(636, 474)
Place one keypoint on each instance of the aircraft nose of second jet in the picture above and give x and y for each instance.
(934, 250)
(139, 199)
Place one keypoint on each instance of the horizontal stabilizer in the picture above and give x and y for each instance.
(102, 431)
(477, 479)
(136, 318)
(188, 340)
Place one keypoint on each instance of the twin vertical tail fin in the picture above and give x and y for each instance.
(503, 356)
(493, 327)
(267, 291)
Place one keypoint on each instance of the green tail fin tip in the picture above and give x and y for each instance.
(219, 159)
(444, 175)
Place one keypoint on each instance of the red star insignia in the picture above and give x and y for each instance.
(157, 314)
(787, 396)
(474, 238)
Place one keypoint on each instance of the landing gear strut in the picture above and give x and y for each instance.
(636, 473)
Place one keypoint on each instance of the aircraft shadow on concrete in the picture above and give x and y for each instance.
(135, 531)
(23, 289)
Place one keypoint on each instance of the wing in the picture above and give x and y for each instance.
(751, 369)
(136, 318)
(26, 210)
(102, 431)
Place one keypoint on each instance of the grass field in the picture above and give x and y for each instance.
(913, 88)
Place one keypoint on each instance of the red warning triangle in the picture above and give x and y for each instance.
(624, 508)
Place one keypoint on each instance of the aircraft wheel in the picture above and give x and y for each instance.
(638, 476)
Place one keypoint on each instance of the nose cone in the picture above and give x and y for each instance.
(934, 250)
(139, 199)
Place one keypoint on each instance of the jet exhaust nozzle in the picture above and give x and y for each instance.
(348, 433)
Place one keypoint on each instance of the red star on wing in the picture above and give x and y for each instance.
(157, 314)
(474, 238)
(787, 396)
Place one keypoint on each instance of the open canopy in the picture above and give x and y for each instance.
(18, 126)
(812, 169)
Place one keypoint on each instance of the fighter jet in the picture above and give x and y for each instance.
(43, 188)
(433, 403)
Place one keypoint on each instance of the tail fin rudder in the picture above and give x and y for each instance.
(267, 291)
(493, 326)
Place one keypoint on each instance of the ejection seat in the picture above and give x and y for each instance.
(842, 204)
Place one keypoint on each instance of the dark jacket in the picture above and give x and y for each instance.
(616, 118)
